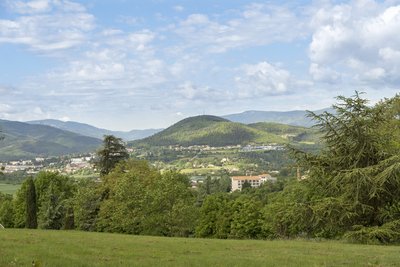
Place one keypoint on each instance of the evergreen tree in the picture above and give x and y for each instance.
(112, 152)
(354, 181)
(31, 208)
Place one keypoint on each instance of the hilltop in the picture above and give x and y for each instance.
(24, 140)
(217, 131)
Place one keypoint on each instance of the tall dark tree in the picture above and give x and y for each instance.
(112, 152)
(31, 208)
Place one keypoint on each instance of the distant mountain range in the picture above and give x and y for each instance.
(23, 140)
(295, 117)
(217, 131)
(89, 130)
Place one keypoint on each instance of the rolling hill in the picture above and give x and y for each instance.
(295, 117)
(89, 130)
(217, 131)
(24, 141)
(290, 132)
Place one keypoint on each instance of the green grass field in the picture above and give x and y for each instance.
(19, 247)
(9, 188)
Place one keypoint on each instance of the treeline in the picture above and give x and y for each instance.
(350, 189)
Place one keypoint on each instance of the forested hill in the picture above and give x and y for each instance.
(24, 140)
(216, 131)
(294, 117)
(290, 132)
(92, 131)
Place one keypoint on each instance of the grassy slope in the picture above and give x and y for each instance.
(296, 133)
(9, 188)
(19, 247)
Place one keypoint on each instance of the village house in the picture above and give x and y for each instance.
(255, 181)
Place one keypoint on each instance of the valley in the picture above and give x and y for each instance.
(197, 146)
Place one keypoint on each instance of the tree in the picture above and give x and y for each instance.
(86, 205)
(141, 200)
(354, 180)
(31, 208)
(6, 210)
(246, 218)
(215, 216)
(54, 192)
(20, 205)
(52, 210)
(113, 151)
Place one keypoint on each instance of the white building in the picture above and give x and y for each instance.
(255, 181)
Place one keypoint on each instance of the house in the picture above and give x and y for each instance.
(255, 181)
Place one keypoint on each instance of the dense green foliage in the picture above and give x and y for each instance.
(353, 185)
(6, 210)
(26, 141)
(140, 200)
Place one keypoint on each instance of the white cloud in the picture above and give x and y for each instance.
(37, 6)
(189, 91)
(257, 25)
(179, 8)
(324, 74)
(263, 79)
(359, 40)
(65, 27)
(5, 108)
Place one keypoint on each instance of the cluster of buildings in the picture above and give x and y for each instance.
(202, 148)
(27, 166)
(270, 147)
(63, 165)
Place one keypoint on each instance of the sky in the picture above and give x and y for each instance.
(133, 64)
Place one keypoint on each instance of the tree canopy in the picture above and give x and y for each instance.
(112, 152)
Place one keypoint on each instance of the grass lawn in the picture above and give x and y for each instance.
(19, 247)
(9, 188)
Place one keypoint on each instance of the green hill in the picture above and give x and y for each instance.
(290, 132)
(23, 141)
(89, 130)
(209, 130)
(294, 117)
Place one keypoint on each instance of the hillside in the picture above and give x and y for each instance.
(89, 130)
(295, 117)
(290, 132)
(209, 130)
(24, 140)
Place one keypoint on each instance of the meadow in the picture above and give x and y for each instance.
(9, 188)
(22, 247)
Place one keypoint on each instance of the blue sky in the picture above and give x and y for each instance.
(127, 65)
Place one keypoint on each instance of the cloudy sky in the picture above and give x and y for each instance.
(136, 64)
